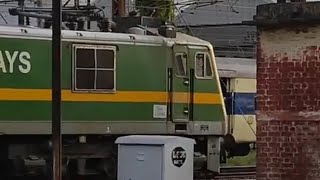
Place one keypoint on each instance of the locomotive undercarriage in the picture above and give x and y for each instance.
(31, 156)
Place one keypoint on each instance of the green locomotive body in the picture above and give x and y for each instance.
(113, 84)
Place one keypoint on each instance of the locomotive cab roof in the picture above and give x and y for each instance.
(35, 32)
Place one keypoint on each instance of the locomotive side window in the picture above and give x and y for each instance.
(203, 66)
(85, 69)
(180, 64)
(94, 68)
(105, 66)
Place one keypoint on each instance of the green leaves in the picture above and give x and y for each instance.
(163, 9)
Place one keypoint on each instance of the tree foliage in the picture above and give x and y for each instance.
(163, 9)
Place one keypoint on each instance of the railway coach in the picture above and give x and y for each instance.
(238, 82)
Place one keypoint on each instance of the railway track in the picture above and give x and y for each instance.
(229, 173)
(226, 173)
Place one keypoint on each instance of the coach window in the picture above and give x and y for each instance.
(203, 66)
(180, 64)
(94, 68)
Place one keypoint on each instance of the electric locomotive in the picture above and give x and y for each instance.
(113, 84)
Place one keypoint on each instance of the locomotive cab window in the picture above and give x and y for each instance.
(180, 64)
(94, 68)
(203, 66)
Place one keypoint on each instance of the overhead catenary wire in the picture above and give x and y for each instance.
(195, 3)
(180, 5)
(4, 19)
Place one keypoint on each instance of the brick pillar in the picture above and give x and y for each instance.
(288, 91)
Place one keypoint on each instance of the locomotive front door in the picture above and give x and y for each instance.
(180, 84)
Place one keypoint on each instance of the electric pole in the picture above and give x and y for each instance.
(119, 8)
(56, 88)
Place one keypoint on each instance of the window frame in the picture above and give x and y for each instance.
(205, 63)
(174, 64)
(74, 67)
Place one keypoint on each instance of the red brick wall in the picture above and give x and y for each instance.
(288, 103)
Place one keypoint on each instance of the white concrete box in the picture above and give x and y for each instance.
(155, 158)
